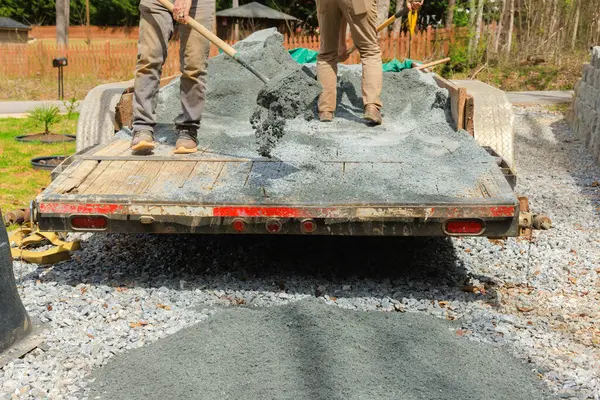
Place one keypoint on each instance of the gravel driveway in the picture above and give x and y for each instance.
(538, 300)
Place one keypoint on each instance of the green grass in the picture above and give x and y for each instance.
(19, 182)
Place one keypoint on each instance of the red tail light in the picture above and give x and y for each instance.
(308, 226)
(273, 226)
(239, 225)
(464, 227)
(88, 222)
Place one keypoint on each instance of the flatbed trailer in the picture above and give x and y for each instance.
(328, 188)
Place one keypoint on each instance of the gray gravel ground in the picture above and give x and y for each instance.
(539, 299)
(311, 350)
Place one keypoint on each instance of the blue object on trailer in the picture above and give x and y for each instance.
(307, 56)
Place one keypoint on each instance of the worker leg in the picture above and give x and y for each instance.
(193, 57)
(363, 28)
(330, 16)
(156, 28)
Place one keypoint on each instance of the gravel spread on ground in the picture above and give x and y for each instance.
(311, 350)
(538, 300)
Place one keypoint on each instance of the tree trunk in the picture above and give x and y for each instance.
(236, 27)
(62, 22)
(499, 28)
(472, 18)
(575, 26)
(383, 10)
(511, 22)
(450, 13)
(88, 32)
(400, 6)
(478, 23)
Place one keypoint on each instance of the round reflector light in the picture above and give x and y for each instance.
(239, 225)
(308, 226)
(273, 226)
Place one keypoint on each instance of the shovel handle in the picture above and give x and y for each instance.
(214, 39)
(197, 26)
(432, 64)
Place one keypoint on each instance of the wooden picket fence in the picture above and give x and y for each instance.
(116, 61)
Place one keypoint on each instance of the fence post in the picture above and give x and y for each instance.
(108, 60)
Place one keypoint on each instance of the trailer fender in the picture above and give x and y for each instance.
(493, 119)
(14, 321)
(97, 119)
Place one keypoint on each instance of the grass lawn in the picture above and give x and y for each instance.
(19, 182)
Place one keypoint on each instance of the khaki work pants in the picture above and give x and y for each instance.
(156, 28)
(363, 29)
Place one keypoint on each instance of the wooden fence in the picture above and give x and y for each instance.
(116, 61)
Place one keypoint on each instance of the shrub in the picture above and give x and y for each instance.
(46, 115)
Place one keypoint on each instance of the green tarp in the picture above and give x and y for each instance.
(307, 56)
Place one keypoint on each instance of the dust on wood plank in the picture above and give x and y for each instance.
(83, 187)
(233, 174)
(77, 176)
(105, 179)
(114, 148)
(203, 177)
(148, 173)
(127, 178)
(165, 185)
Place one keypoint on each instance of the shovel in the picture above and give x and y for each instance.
(283, 88)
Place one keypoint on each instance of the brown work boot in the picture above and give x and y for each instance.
(325, 116)
(372, 115)
(187, 142)
(142, 141)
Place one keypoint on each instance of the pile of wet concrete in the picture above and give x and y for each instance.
(411, 99)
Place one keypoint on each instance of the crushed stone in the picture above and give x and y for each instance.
(412, 100)
(311, 350)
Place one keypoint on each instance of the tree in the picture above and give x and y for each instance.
(62, 22)
(383, 10)
(450, 13)
(400, 6)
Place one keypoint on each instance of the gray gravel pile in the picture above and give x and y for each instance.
(539, 299)
(310, 350)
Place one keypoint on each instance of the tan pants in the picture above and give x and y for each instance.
(156, 28)
(363, 28)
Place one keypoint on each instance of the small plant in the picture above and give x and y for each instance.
(71, 106)
(46, 115)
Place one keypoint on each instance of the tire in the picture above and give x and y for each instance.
(14, 321)
(97, 118)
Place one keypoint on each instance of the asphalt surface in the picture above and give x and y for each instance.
(540, 97)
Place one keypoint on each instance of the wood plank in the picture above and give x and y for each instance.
(93, 176)
(125, 180)
(105, 178)
(115, 148)
(469, 115)
(233, 175)
(147, 174)
(457, 99)
(166, 182)
(203, 176)
(77, 176)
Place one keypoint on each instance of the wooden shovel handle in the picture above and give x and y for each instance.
(214, 39)
(433, 63)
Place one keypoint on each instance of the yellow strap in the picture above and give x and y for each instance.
(411, 19)
(24, 237)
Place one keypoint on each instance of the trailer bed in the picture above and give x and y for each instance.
(396, 181)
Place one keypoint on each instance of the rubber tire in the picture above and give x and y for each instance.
(97, 118)
(14, 321)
